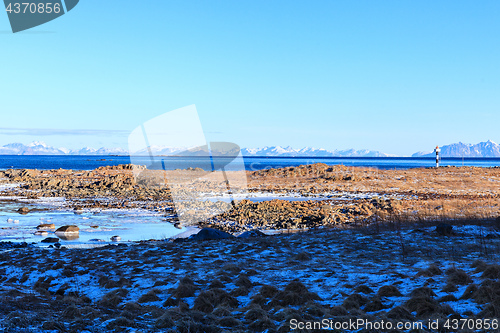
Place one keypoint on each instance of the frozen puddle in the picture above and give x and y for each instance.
(262, 196)
(130, 225)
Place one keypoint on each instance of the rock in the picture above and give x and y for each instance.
(46, 226)
(209, 233)
(116, 238)
(94, 226)
(252, 233)
(41, 233)
(68, 236)
(50, 240)
(444, 229)
(68, 229)
(24, 210)
(10, 245)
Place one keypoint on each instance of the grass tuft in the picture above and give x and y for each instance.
(389, 291)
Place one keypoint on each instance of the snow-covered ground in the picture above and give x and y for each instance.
(256, 284)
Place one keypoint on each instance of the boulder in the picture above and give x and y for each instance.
(252, 233)
(50, 240)
(46, 226)
(68, 229)
(23, 210)
(116, 238)
(209, 233)
(444, 229)
(41, 233)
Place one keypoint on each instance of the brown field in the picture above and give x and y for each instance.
(371, 195)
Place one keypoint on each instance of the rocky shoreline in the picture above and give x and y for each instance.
(329, 196)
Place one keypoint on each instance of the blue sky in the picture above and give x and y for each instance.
(394, 76)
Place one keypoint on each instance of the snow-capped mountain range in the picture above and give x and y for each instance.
(41, 148)
(482, 149)
(310, 152)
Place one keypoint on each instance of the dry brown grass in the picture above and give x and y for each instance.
(113, 298)
(447, 298)
(165, 321)
(150, 296)
(295, 293)
(399, 313)
(240, 291)
(268, 291)
(389, 291)
(423, 292)
(492, 310)
(449, 288)
(491, 272)
(216, 284)
(458, 277)
(301, 256)
(364, 289)
(119, 323)
(186, 288)
(354, 301)
(423, 306)
(479, 265)
(374, 305)
(432, 270)
(443, 194)
(208, 300)
(243, 281)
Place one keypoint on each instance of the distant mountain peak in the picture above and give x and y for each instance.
(38, 144)
(460, 149)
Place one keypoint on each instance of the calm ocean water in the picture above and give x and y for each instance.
(251, 163)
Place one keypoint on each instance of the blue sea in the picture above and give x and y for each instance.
(251, 163)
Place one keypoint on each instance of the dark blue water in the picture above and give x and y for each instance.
(251, 163)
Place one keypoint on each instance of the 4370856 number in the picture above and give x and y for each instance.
(472, 324)
(33, 8)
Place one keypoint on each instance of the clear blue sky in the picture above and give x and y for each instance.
(394, 76)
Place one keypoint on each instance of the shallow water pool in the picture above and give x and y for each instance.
(130, 225)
